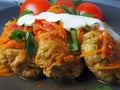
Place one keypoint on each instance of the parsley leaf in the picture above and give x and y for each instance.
(73, 44)
(17, 35)
(24, 13)
(87, 15)
(77, 2)
(101, 88)
(30, 44)
(27, 12)
(70, 11)
(52, 1)
(88, 27)
(77, 12)
(58, 22)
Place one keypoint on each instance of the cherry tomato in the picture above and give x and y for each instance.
(67, 3)
(90, 8)
(37, 6)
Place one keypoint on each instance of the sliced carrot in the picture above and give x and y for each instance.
(7, 30)
(14, 44)
(60, 30)
(2, 67)
(109, 66)
(8, 74)
(44, 26)
(56, 9)
(90, 53)
(5, 70)
(80, 37)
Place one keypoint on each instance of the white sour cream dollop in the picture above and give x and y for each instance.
(70, 21)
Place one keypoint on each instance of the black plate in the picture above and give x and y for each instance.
(111, 16)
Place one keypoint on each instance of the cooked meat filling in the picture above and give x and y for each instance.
(20, 63)
(54, 57)
(102, 55)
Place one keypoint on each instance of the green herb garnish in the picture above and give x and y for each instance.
(17, 35)
(70, 11)
(30, 44)
(25, 12)
(73, 44)
(88, 27)
(77, 2)
(101, 88)
(58, 22)
(52, 1)
(87, 15)
(77, 12)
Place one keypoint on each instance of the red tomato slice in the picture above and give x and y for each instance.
(67, 3)
(90, 8)
(37, 6)
(106, 46)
